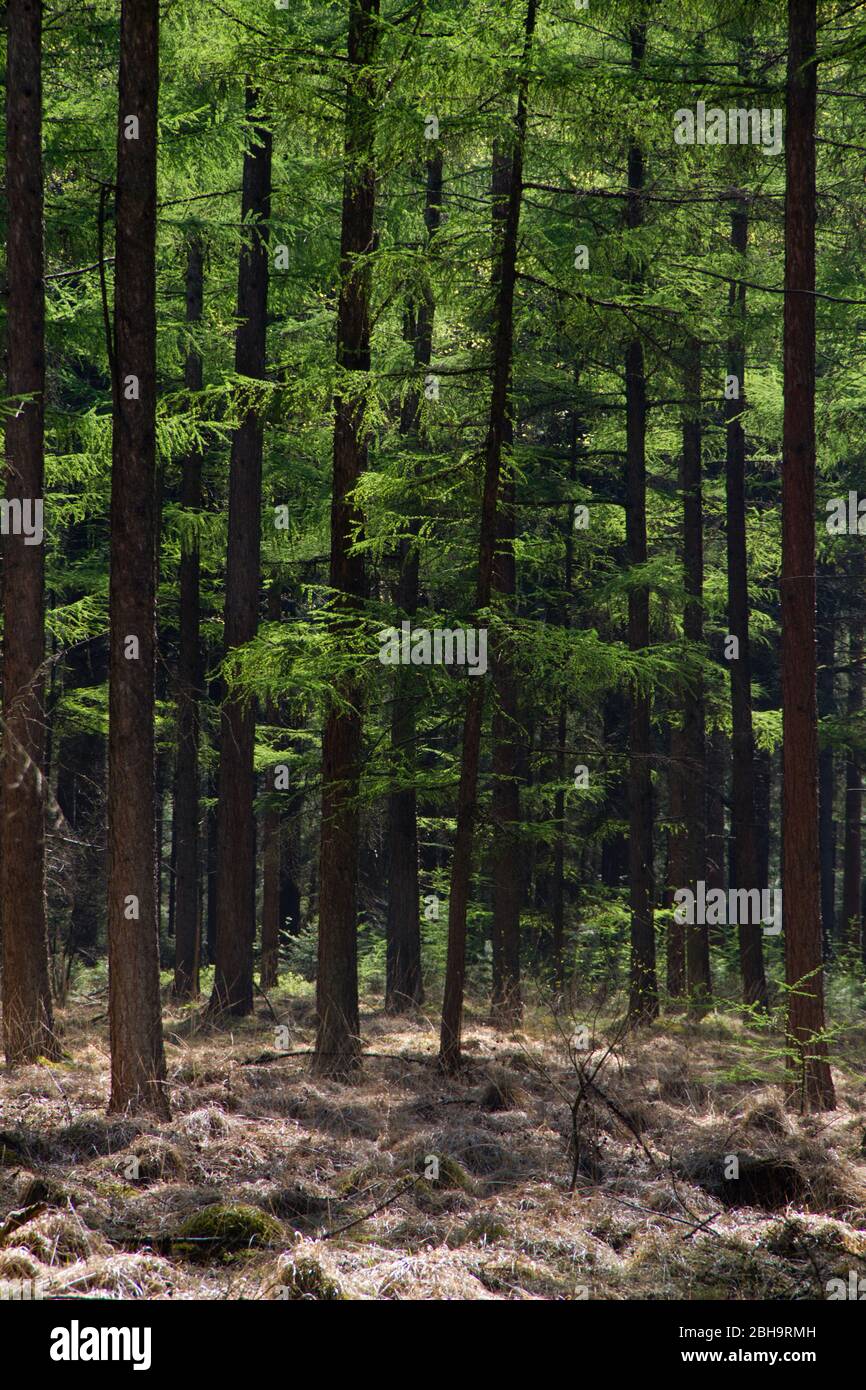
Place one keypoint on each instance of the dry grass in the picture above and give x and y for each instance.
(332, 1189)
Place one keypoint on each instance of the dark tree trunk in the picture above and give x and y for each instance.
(557, 907)
(614, 850)
(763, 804)
(137, 1058)
(744, 850)
(852, 862)
(271, 904)
(236, 822)
(337, 1050)
(678, 865)
(643, 988)
(506, 867)
(185, 821)
(497, 435)
(163, 781)
(717, 760)
(812, 1082)
(694, 734)
(403, 986)
(271, 847)
(506, 1002)
(290, 867)
(28, 1026)
(81, 797)
(211, 865)
(826, 762)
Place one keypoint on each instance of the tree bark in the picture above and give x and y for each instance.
(236, 822)
(643, 988)
(137, 1057)
(744, 851)
(698, 982)
(506, 876)
(28, 1024)
(717, 761)
(557, 907)
(614, 850)
(337, 1051)
(503, 346)
(812, 1082)
(853, 856)
(271, 847)
(826, 761)
(80, 795)
(404, 987)
(678, 866)
(185, 821)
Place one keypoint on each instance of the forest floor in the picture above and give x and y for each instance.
(249, 1190)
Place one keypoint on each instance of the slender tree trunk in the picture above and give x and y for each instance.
(137, 1058)
(614, 850)
(236, 822)
(290, 866)
(717, 760)
(80, 795)
(852, 863)
(557, 909)
(506, 868)
(678, 865)
(271, 847)
(28, 1025)
(694, 733)
(506, 1002)
(826, 762)
(744, 851)
(812, 1083)
(211, 865)
(163, 782)
(403, 986)
(643, 988)
(503, 344)
(185, 821)
(763, 805)
(337, 1050)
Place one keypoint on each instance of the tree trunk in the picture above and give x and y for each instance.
(812, 1083)
(678, 866)
(503, 345)
(717, 760)
(744, 851)
(852, 863)
(337, 1050)
(643, 989)
(28, 1025)
(506, 1003)
(826, 761)
(236, 822)
(557, 908)
(614, 850)
(698, 982)
(137, 1058)
(271, 847)
(211, 864)
(185, 820)
(80, 795)
(403, 986)
(506, 869)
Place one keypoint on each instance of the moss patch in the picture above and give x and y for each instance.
(224, 1229)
